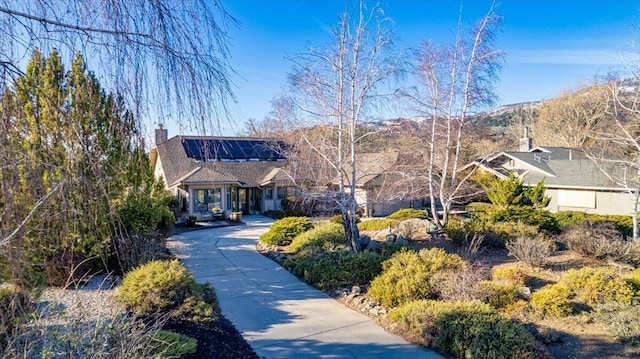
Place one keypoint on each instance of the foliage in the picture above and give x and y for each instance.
(408, 213)
(71, 156)
(377, 224)
(601, 240)
(501, 296)
(465, 284)
(319, 238)
(633, 278)
(513, 275)
(14, 305)
(169, 344)
(407, 275)
(624, 224)
(478, 208)
(553, 300)
(540, 218)
(292, 206)
(504, 193)
(332, 270)
(274, 214)
(534, 251)
(597, 285)
(336, 219)
(283, 231)
(467, 330)
(167, 287)
(509, 231)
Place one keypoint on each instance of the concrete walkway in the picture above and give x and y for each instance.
(278, 315)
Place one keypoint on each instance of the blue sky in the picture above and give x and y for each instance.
(548, 44)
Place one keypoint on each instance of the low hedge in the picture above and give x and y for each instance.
(332, 270)
(408, 213)
(319, 238)
(377, 224)
(467, 330)
(283, 231)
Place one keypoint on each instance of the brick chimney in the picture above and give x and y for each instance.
(525, 143)
(161, 134)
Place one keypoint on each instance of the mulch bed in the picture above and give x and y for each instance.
(219, 339)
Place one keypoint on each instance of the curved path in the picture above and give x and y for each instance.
(278, 315)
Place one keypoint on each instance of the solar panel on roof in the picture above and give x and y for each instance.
(202, 149)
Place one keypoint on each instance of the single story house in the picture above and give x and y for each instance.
(384, 183)
(574, 181)
(214, 176)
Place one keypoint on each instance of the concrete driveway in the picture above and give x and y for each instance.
(278, 315)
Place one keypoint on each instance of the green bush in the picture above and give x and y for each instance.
(624, 224)
(406, 276)
(168, 344)
(633, 279)
(467, 330)
(540, 218)
(500, 296)
(553, 300)
(478, 209)
(167, 287)
(408, 213)
(319, 238)
(283, 231)
(512, 275)
(597, 285)
(337, 218)
(508, 231)
(332, 270)
(141, 213)
(377, 224)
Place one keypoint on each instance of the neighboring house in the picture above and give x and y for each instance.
(381, 184)
(214, 176)
(574, 181)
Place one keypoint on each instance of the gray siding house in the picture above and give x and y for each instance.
(574, 181)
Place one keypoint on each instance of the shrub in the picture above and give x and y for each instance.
(274, 214)
(167, 287)
(332, 270)
(292, 206)
(553, 300)
(634, 280)
(624, 224)
(411, 228)
(500, 295)
(283, 231)
(534, 251)
(597, 285)
(540, 218)
(168, 344)
(377, 224)
(601, 240)
(141, 213)
(407, 275)
(478, 209)
(460, 284)
(319, 238)
(14, 305)
(508, 231)
(336, 219)
(513, 275)
(467, 330)
(408, 213)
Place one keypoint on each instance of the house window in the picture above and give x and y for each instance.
(268, 192)
(284, 192)
(205, 200)
(229, 200)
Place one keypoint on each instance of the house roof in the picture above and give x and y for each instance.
(246, 162)
(560, 167)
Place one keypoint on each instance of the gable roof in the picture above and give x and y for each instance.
(207, 160)
(560, 167)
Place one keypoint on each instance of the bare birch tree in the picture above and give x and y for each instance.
(456, 80)
(334, 87)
